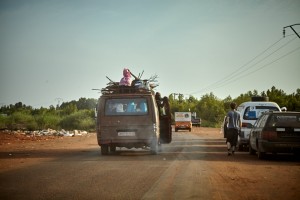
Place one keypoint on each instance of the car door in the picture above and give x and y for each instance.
(259, 124)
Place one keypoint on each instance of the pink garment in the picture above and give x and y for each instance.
(126, 80)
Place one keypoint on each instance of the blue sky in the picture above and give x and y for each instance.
(63, 49)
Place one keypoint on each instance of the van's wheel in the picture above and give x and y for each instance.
(159, 147)
(154, 147)
(104, 149)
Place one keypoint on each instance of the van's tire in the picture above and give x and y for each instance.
(104, 149)
(259, 98)
(159, 147)
(154, 147)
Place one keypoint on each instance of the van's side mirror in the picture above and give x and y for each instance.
(283, 109)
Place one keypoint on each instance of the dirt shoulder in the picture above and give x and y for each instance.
(243, 175)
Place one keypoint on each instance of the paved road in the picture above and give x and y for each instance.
(191, 167)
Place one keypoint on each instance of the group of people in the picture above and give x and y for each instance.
(233, 125)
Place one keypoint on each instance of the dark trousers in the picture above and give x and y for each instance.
(232, 136)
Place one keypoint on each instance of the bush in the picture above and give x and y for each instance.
(21, 121)
(82, 120)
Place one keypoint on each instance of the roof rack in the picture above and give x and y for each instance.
(121, 89)
(138, 86)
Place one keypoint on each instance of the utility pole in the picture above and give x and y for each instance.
(174, 95)
(58, 101)
(291, 26)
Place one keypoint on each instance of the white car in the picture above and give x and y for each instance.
(250, 112)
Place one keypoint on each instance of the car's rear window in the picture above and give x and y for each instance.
(128, 106)
(253, 112)
(285, 120)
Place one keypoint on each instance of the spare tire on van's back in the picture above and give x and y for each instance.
(259, 98)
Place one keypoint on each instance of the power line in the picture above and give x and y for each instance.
(228, 79)
(264, 58)
(264, 66)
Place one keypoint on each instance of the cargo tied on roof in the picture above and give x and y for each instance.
(126, 85)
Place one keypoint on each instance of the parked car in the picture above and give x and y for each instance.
(196, 121)
(250, 111)
(275, 132)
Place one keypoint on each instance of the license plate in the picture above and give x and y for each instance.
(126, 133)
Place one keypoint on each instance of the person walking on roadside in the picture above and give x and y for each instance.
(233, 127)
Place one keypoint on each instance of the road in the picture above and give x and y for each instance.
(194, 166)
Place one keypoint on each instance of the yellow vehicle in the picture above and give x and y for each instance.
(183, 121)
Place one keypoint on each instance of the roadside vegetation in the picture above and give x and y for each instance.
(80, 114)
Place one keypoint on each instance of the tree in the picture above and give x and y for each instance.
(211, 109)
(277, 96)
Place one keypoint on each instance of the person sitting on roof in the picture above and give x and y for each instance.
(126, 80)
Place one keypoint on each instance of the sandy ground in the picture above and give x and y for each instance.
(197, 160)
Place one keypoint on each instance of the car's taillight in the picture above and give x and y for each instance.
(245, 124)
(269, 135)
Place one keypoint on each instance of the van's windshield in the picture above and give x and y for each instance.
(126, 106)
(253, 112)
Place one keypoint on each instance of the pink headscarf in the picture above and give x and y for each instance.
(126, 80)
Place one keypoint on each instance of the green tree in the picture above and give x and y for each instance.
(211, 109)
(277, 96)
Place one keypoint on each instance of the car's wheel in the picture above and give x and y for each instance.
(241, 147)
(260, 154)
(251, 151)
(112, 148)
(104, 149)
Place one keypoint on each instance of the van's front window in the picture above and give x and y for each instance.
(253, 112)
(128, 106)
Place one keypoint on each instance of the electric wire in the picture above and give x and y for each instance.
(264, 58)
(234, 75)
(260, 68)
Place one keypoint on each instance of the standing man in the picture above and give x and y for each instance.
(233, 127)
